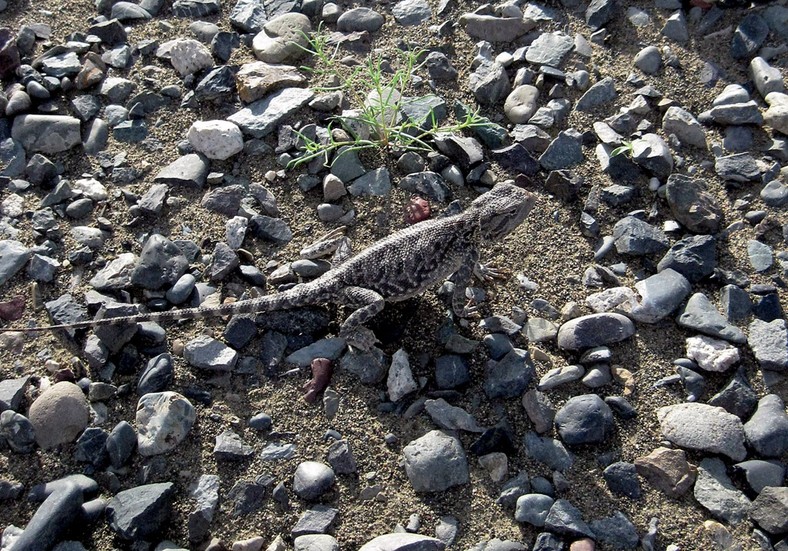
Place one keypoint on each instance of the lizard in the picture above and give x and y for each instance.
(395, 268)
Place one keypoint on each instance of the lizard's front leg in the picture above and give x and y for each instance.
(462, 279)
(369, 305)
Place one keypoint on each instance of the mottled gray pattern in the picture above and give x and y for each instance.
(395, 268)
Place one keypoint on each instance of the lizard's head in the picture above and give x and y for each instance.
(502, 209)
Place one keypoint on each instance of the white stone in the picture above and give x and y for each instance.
(712, 354)
(189, 56)
(400, 380)
(776, 115)
(216, 139)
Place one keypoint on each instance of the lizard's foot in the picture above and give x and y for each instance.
(325, 245)
(488, 273)
(360, 338)
(469, 311)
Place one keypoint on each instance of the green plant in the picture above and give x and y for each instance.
(380, 93)
(625, 149)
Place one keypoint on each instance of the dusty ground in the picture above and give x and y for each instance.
(548, 248)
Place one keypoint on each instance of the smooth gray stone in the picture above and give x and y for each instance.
(767, 429)
(48, 134)
(600, 93)
(52, 519)
(760, 473)
(550, 49)
(189, 170)
(495, 29)
(312, 479)
(585, 419)
(533, 509)
(360, 19)
(701, 315)
(435, 462)
(634, 236)
(594, 330)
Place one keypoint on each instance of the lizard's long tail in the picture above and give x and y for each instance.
(300, 295)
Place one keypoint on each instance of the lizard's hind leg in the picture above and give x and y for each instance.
(369, 305)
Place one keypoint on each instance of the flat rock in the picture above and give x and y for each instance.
(636, 237)
(701, 315)
(660, 294)
(668, 470)
(190, 170)
(257, 79)
(260, 118)
(205, 352)
(703, 427)
(715, 492)
(694, 257)
(769, 343)
(550, 49)
(403, 541)
(495, 29)
(13, 257)
(594, 330)
(139, 513)
(48, 134)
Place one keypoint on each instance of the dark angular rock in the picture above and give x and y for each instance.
(141, 512)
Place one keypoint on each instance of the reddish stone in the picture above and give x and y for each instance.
(321, 378)
(417, 210)
(13, 309)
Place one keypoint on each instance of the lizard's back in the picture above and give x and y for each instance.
(409, 261)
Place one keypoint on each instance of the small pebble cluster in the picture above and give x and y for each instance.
(549, 113)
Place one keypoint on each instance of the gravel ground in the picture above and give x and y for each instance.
(548, 248)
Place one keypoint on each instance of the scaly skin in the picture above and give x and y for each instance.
(398, 267)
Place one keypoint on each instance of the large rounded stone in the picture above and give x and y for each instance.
(585, 419)
(59, 415)
(435, 462)
(283, 39)
(312, 479)
(163, 421)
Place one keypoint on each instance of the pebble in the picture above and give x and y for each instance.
(715, 491)
(314, 542)
(403, 540)
(312, 479)
(282, 39)
(761, 474)
(561, 375)
(205, 352)
(48, 134)
(703, 427)
(13, 257)
(594, 330)
(567, 520)
(315, 520)
(660, 294)
(668, 470)
(760, 255)
(263, 116)
(59, 414)
(139, 513)
(712, 354)
(549, 451)
(598, 94)
(451, 417)
(616, 530)
(769, 343)
(533, 509)
(521, 103)
(510, 376)
(435, 462)
(585, 419)
(701, 315)
(360, 19)
(622, 480)
(190, 170)
(694, 257)
(400, 380)
(495, 29)
(649, 60)
(770, 510)
(163, 421)
(549, 49)
(767, 429)
(216, 139)
(411, 12)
